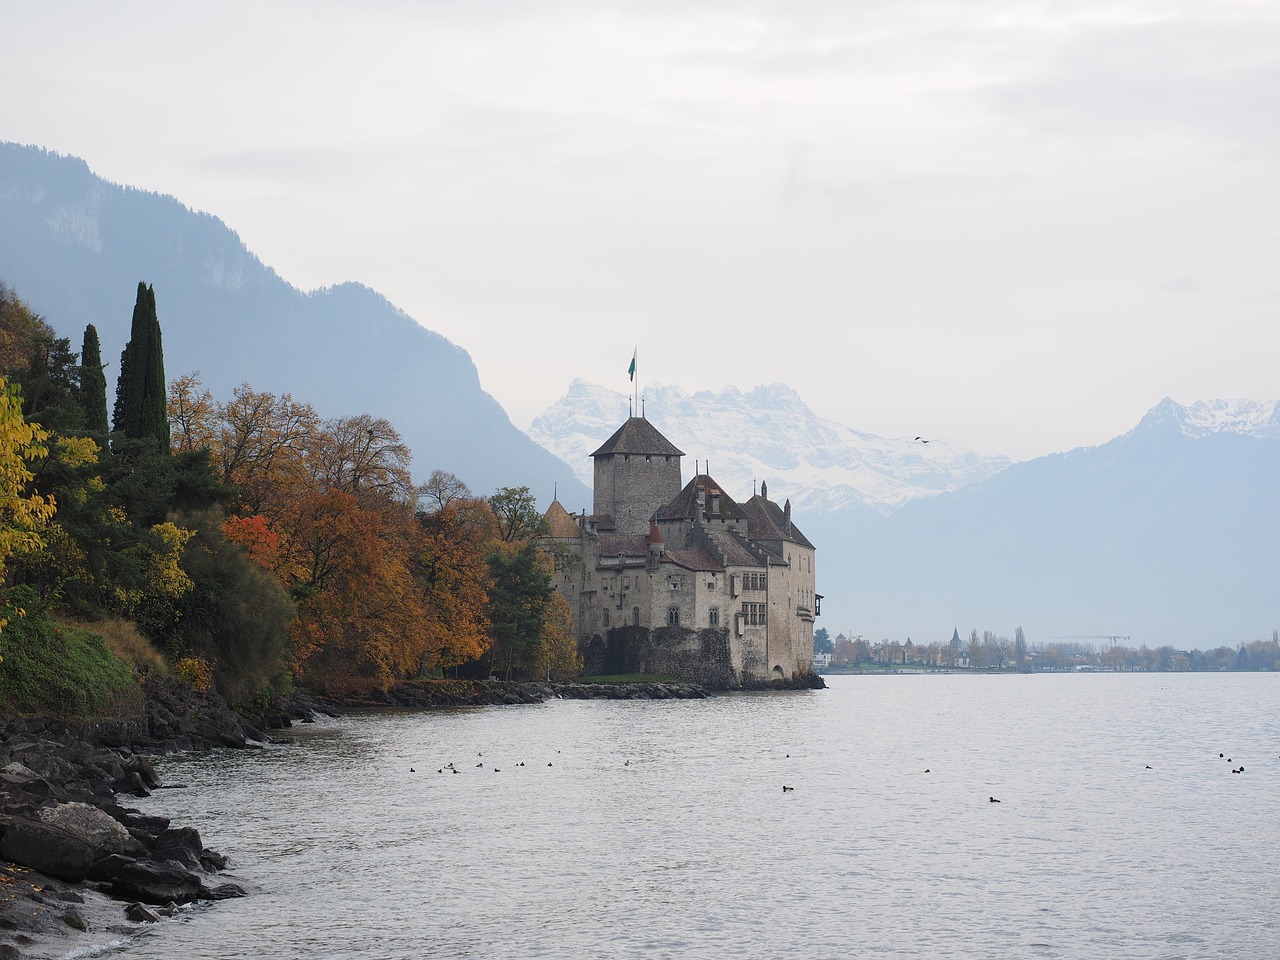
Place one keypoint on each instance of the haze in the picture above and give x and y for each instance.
(1012, 226)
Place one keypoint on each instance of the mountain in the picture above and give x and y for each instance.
(74, 247)
(1167, 534)
(828, 471)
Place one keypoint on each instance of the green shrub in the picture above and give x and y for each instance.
(50, 669)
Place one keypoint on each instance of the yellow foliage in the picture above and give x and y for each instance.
(76, 451)
(196, 671)
(167, 576)
(22, 514)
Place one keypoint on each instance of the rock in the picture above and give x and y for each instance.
(101, 831)
(140, 914)
(46, 848)
(223, 891)
(156, 882)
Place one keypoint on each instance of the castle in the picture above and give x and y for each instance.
(683, 580)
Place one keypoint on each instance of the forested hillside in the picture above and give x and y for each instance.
(240, 541)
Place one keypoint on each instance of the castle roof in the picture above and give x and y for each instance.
(623, 545)
(684, 506)
(768, 521)
(638, 435)
(694, 560)
(735, 552)
(560, 522)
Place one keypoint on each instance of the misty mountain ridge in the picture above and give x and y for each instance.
(74, 247)
(767, 433)
(1169, 533)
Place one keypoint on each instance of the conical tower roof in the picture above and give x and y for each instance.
(638, 436)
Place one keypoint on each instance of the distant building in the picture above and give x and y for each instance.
(682, 579)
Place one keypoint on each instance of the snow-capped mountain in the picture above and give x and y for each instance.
(766, 433)
(1253, 418)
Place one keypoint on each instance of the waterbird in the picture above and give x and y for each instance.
(785, 788)
(922, 439)
(993, 800)
(926, 769)
(549, 762)
(411, 770)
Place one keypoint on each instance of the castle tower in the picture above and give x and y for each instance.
(637, 470)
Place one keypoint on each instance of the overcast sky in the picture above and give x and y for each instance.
(1012, 226)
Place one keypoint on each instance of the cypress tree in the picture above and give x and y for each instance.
(141, 410)
(93, 383)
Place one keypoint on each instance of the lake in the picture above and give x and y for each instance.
(583, 829)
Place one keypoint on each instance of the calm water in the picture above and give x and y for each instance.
(661, 829)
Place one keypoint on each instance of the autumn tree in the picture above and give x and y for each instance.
(441, 490)
(22, 513)
(363, 454)
(452, 573)
(193, 414)
(558, 655)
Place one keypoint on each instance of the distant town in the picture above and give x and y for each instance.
(992, 653)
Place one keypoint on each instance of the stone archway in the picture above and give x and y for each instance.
(776, 673)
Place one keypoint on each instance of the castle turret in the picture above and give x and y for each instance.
(637, 470)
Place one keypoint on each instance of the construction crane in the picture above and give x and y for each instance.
(1113, 637)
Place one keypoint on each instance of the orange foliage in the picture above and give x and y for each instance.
(256, 537)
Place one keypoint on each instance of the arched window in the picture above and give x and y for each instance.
(605, 617)
(714, 616)
(673, 616)
(635, 616)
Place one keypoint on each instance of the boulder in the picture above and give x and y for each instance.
(45, 848)
(101, 831)
(155, 882)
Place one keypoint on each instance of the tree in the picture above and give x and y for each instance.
(518, 602)
(193, 416)
(363, 454)
(141, 391)
(22, 513)
(93, 384)
(451, 572)
(517, 514)
(821, 641)
(441, 489)
(1019, 648)
(558, 656)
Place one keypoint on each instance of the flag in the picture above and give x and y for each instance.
(631, 371)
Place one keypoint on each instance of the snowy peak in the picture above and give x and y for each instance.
(1255, 418)
(766, 433)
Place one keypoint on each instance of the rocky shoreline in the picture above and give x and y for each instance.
(80, 866)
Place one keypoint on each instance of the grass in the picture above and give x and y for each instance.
(123, 639)
(48, 668)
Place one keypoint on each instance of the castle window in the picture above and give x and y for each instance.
(635, 616)
(647, 458)
(605, 618)
(626, 583)
(673, 616)
(713, 617)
